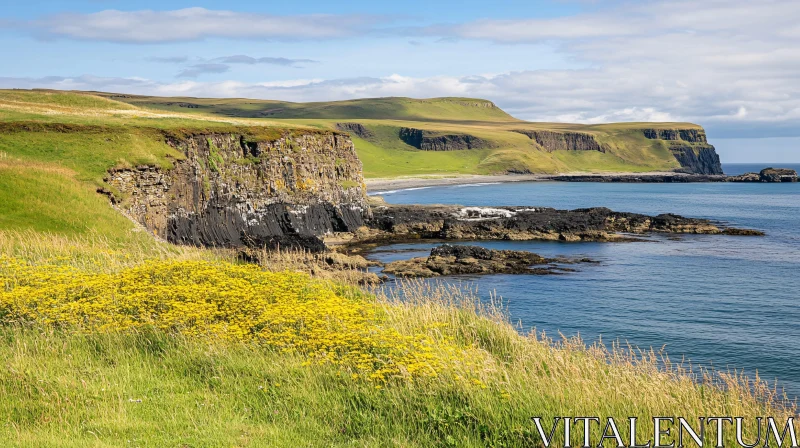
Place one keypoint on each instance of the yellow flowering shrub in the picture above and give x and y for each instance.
(286, 311)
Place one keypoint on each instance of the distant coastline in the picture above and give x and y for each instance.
(383, 185)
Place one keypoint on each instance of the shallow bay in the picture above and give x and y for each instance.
(719, 301)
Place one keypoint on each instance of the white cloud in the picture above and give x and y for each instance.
(632, 19)
(196, 23)
(193, 71)
(244, 59)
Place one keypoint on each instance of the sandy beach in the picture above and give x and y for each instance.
(378, 185)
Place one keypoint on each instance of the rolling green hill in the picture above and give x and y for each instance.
(503, 144)
(435, 109)
(56, 147)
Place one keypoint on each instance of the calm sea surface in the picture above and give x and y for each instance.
(719, 301)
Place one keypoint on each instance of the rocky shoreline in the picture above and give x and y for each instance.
(401, 223)
(767, 175)
(475, 260)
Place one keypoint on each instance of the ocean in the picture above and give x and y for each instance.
(721, 302)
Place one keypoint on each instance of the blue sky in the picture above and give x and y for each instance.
(732, 66)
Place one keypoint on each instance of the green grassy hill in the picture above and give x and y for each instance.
(396, 108)
(56, 147)
(384, 154)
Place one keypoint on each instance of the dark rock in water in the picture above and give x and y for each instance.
(767, 175)
(459, 260)
(356, 129)
(778, 175)
(742, 232)
(746, 177)
(399, 222)
(434, 141)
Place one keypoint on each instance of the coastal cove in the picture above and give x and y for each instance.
(722, 302)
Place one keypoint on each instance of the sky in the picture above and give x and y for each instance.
(731, 66)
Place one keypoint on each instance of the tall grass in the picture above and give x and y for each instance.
(149, 387)
(97, 252)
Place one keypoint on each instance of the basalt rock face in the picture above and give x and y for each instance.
(564, 141)
(690, 148)
(230, 192)
(697, 159)
(687, 135)
(356, 129)
(527, 223)
(429, 141)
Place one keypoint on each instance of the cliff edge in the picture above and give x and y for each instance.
(232, 189)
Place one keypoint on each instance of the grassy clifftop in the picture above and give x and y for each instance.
(504, 147)
(397, 108)
(56, 147)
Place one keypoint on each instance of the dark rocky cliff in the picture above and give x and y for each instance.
(689, 135)
(690, 148)
(232, 191)
(564, 141)
(697, 159)
(431, 141)
(356, 129)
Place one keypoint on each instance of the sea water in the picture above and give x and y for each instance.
(722, 302)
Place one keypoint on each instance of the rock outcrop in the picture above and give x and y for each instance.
(357, 129)
(411, 222)
(434, 141)
(231, 190)
(746, 177)
(475, 260)
(687, 135)
(767, 175)
(778, 175)
(690, 148)
(563, 141)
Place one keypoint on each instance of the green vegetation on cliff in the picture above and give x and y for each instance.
(506, 147)
(56, 148)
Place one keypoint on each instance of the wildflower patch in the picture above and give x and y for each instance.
(289, 312)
